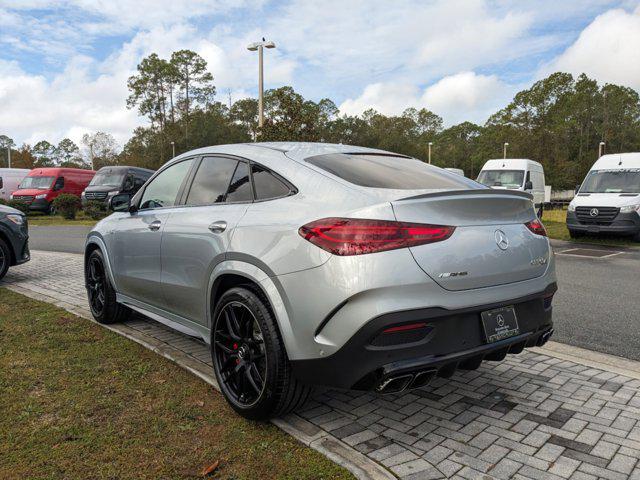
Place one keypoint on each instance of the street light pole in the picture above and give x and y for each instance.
(601, 149)
(259, 47)
(173, 149)
(504, 149)
(430, 143)
(9, 156)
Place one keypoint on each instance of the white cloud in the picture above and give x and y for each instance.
(607, 50)
(467, 96)
(459, 97)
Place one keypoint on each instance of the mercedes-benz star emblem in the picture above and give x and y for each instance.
(594, 212)
(500, 320)
(501, 240)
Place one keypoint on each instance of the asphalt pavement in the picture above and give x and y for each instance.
(69, 239)
(597, 305)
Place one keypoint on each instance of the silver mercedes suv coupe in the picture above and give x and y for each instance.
(307, 264)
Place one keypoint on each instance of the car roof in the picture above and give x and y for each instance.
(615, 161)
(510, 163)
(55, 170)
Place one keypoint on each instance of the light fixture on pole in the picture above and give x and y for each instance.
(504, 149)
(259, 47)
(601, 149)
(173, 149)
(430, 143)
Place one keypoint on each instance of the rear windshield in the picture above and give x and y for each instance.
(612, 181)
(108, 178)
(385, 171)
(501, 178)
(41, 183)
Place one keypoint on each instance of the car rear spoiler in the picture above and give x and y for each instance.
(478, 191)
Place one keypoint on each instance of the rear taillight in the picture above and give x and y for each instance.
(354, 236)
(536, 227)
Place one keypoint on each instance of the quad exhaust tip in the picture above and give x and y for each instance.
(399, 383)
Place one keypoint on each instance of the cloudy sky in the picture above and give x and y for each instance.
(64, 63)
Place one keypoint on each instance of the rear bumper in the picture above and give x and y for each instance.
(623, 224)
(454, 339)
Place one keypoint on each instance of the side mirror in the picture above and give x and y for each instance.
(578, 188)
(121, 203)
(528, 185)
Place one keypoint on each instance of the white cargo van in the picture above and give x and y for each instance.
(459, 171)
(608, 200)
(516, 174)
(10, 178)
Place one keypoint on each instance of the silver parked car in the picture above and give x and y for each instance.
(303, 264)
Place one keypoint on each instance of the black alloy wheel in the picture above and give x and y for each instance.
(96, 286)
(240, 354)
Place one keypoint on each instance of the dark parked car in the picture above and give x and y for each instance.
(110, 181)
(14, 238)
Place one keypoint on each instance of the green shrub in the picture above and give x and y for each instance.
(18, 205)
(68, 205)
(95, 210)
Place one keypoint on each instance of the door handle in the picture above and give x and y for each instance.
(218, 227)
(155, 225)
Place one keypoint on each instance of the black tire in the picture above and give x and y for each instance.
(102, 296)
(575, 234)
(244, 340)
(5, 258)
(636, 238)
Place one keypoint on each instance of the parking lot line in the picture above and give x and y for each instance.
(585, 252)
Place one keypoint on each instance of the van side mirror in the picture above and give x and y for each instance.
(528, 185)
(121, 203)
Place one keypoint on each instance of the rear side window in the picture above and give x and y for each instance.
(267, 185)
(240, 186)
(382, 171)
(212, 181)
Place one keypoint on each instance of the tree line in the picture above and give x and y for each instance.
(559, 121)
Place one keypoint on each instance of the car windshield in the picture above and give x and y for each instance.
(40, 183)
(501, 178)
(107, 178)
(612, 181)
(388, 171)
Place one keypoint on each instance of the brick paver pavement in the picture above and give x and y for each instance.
(531, 416)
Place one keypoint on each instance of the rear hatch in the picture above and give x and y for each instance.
(491, 244)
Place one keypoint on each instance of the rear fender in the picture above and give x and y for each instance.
(268, 283)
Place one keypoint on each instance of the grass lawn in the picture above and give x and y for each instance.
(57, 220)
(79, 401)
(555, 223)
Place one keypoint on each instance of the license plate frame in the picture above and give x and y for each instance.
(500, 323)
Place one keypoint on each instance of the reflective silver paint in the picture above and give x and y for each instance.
(171, 272)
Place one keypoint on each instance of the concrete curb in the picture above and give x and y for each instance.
(589, 358)
(361, 466)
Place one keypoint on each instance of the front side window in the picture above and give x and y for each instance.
(267, 185)
(40, 183)
(502, 178)
(212, 181)
(612, 181)
(164, 188)
(386, 171)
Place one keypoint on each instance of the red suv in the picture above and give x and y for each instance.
(43, 185)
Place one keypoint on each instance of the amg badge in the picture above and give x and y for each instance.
(453, 274)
